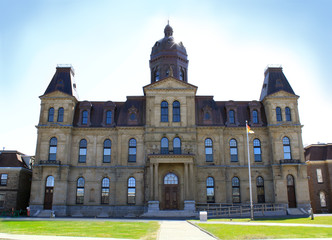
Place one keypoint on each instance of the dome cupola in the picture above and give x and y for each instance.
(168, 58)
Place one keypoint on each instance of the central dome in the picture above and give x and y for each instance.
(168, 56)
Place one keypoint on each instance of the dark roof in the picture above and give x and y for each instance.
(63, 81)
(12, 159)
(318, 152)
(275, 81)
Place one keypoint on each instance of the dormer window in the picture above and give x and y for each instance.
(231, 116)
(109, 117)
(133, 115)
(254, 116)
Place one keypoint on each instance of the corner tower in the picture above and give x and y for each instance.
(168, 58)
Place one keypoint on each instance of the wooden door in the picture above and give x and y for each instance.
(48, 200)
(291, 191)
(171, 197)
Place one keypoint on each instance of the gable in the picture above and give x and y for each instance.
(56, 94)
(283, 93)
(169, 83)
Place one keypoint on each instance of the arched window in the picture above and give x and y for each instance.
(107, 151)
(210, 190)
(288, 114)
(50, 181)
(176, 111)
(109, 117)
(254, 116)
(181, 75)
(278, 113)
(233, 150)
(287, 148)
(171, 178)
(131, 190)
(60, 114)
(164, 111)
(82, 151)
(208, 150)
(177, 145)
(322, 198)
(156, 75)
(85, 117)
(51, 114)
(236, 196)
(164, 146)
(132, 150)
(53, 149)
(260, 189)
(105, 191)
(257, 150)
(80, 191)
(231, 116)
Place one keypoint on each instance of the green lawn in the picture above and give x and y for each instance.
(133, 230)
(225, 231)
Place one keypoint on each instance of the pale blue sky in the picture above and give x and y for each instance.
(229, 44)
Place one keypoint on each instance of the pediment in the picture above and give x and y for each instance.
(56, 94)
(282, 93)
(170, 83)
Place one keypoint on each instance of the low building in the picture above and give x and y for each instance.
(319, 160)
(15, 180)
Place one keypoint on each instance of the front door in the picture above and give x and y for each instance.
(291, 192)
(48, 198)
(171, 189)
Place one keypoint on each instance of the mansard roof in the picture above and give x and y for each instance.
(275, 81)
(63, 81)
(12, 159)
(318, 152)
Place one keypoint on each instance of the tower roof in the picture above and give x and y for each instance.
(275, 81)
(63, 81)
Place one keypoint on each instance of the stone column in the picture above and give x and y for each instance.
(156, 183)
(151, 182)
(186, 181)
(191, 181)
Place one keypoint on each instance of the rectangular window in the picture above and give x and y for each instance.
(105, 195)
(131, 195)
(80, 196)
(4, 178)
(319, 175)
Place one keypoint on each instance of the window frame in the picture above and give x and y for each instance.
(322, 199)
(107, 158)
(208, 143)
(177, 145)
(3, 179)
(233, 149)
(260, 189)
(109, 119)
(210, 196)
(105, 190)
(85, 117)
(255, 117)
(82, 148)
(278, 114)
(164, 111)
(288, 114)
(176, 111)
(50, 117)
(231, 116)
(80, 190)
(131, 191)
(257, 150)
(49, 181)
(236, 190)
(132, 147)
(287, 148)
(61, 112)
(319, 174)
(53, 148)
(164, 146)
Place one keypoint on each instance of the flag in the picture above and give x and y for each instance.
(249, 130)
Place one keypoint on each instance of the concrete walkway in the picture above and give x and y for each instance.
(181, 230)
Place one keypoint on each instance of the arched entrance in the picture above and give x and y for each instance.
(291, 191)
(171, 192)
(49, 186)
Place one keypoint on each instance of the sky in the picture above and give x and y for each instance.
(229, 45)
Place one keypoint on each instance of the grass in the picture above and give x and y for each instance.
(224, 231)
(133, 230)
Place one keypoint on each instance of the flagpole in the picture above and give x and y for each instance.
(250, 189)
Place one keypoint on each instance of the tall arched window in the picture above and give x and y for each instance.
(80, 191)
(177, 145)
(322, 198)
(260, 189)
(288, 114)
(109, 117)
(60, 114)
(236, 196)
(210, 190)
(132, 150)
(131, 190)
(51, 114)
(254, 116)
(278, 114)
(257, 150)
(231, 116)
(164, 146)
(105, 191)
(176, 111)
(82, 151)
(85, 117)
(107, 151)
(53, 149)
(233, 150)
(287, 148)
(208, 150)
(164, 111)
(50, 181)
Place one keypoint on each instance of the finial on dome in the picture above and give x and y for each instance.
(168, 30)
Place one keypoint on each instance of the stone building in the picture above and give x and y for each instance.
(15, 180)
(168, 149)
(319, 161)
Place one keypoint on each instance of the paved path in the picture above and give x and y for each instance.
(181, 230)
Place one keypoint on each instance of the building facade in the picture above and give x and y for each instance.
(319, 160)
(15, 180)
(167, 149)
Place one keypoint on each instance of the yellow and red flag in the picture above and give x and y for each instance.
(249, 129)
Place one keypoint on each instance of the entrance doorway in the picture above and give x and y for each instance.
(171, 192)
(49, 188)
(291, 192)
